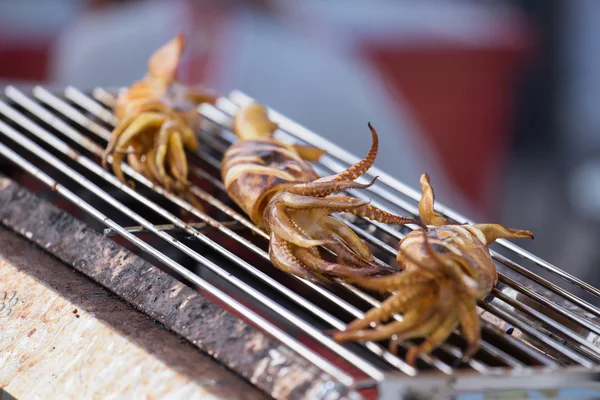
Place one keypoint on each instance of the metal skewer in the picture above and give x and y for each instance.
(172, 228)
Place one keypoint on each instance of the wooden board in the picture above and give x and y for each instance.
(63, 336)
(266, 363)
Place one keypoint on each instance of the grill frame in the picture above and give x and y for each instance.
(218, 119)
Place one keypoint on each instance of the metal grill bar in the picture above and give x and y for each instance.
(171, 227)
(209, 112)
(448, 348)
(299, 132)
(564, 342)
(310, 137)
(230, 107)
(536, 334)
(223, 120)
(537, 315)
(95, 149)
(38, 151)
(552, 306)
(332, 165)
(227, 136)
(72, 134)
(348, 307)
(182, 271)
(222, 147)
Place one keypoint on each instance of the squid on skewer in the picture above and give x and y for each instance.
(157, 122)
(274, 184)
(447, 268)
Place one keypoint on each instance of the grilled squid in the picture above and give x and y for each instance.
(446, 269)
(157, 120)
(276, 187)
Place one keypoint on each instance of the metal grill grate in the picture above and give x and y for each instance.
(528, 321)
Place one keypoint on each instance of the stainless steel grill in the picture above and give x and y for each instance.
(529, 323)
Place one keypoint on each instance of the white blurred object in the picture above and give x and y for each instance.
(111, 47)
(30, 19)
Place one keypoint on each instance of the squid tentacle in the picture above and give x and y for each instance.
(323, 189)
(282, 257)
(358, 169)
(412, 321)
(176, 154)
(347, 257)
(160, 150)
(332, 225)
(492, 232)
(144, 121)
(116, 164)
(377, 214)
(282, 225)
(398, 302)
(427, 314)
(435, 338)
(134, 160)
(426, 204)
(349, 248)
(399, 281)
(424, 329)
(116, 134)
(470, 325)
(323, 267)
(345, 254)
(331, 203)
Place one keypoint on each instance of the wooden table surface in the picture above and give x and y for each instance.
(63, 336)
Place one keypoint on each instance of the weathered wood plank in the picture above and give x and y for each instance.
(269, 365)
(63, 336)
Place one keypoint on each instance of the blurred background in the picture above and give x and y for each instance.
(498, 100)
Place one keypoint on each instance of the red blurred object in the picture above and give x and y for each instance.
(465, 112)
(25, 59)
